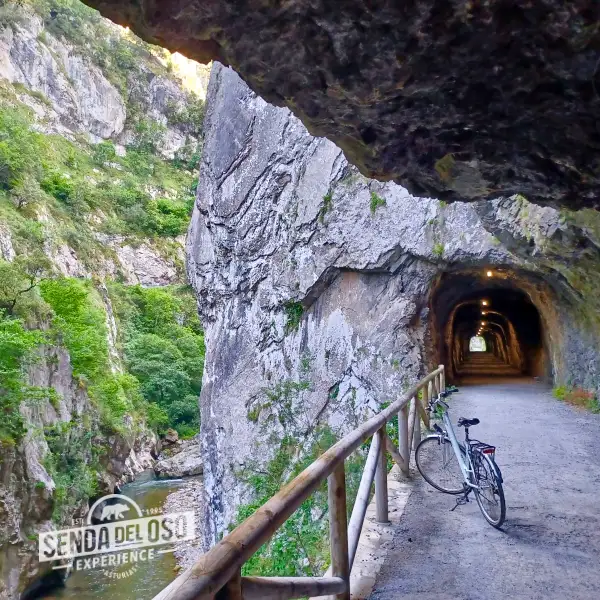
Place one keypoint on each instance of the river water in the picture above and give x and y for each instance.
(149, 578)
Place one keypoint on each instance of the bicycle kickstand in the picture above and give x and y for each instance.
(463, 499)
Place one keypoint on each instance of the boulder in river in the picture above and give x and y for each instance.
(186, 463)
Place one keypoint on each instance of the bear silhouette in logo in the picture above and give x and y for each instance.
(115, 511)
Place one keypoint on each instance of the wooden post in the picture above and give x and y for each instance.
(395, 454)
(425, 405)
(338, 528)
(362, 499)
(403, 443)
(412, 417)
(417, 423)
(442, 379)
(381, 490)
(232, 589)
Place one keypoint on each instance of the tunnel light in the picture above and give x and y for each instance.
(483, 322)
(489, 273)
(484, 302)
(483, 312)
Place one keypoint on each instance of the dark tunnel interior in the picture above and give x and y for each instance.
(493, 303)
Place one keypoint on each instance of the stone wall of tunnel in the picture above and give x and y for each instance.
(325, 294)
(514, 310)
(536, 322)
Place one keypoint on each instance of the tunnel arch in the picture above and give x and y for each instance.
(513, 310)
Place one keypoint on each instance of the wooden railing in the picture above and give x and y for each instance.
(217, 574)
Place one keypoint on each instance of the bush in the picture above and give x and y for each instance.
(71, 464)
(111, 400)
(27, 193)
(59, 185)
(104, 152)
(376, 202)
(148, 136)
(20, 149)
(140, 163)
(577, 397)
(188, 157)
(190, 115)
(293, 313)
(81, 325)
(169, 217)
(11, 14)
(18, 282)
(17, 350)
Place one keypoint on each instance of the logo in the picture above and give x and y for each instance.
(115, 536)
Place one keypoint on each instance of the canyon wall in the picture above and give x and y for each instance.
(97, 132)
(316, 285)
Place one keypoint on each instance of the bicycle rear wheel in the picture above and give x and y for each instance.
(439, 466)
(490, 495)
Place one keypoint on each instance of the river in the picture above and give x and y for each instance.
(150, 577)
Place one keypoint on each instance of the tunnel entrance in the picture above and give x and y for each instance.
(488, 325)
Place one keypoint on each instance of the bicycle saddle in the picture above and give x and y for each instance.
(462, 422)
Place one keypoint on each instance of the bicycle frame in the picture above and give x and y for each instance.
(466, 468)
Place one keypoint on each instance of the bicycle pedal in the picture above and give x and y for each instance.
(459, 502)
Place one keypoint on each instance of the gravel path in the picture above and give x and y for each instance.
(549, 454)
(189, 497)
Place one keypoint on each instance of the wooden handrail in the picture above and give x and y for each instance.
(220, 567)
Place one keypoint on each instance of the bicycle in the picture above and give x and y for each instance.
(459, 468)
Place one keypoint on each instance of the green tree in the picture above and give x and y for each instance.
(80, 323)
(21, 149)
(19, 279)
(157, 363)
(17, 346)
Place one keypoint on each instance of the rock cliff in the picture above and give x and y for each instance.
(27, 490)
(97, 132)
(324, 293)
(72, 95)
(459, 100)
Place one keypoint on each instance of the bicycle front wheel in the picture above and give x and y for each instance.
(490, 495)
(439, 466)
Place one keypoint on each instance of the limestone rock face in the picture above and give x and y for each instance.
(459, 100)
(80, 98)
(315, 284)
(71, 95)
(7, 252)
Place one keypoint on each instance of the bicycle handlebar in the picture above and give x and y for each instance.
(437, 401)
(432, 403)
